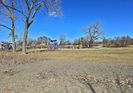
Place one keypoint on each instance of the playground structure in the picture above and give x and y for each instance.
(53, 45)
(5, 46)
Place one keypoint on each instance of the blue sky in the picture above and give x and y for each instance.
(115, 16)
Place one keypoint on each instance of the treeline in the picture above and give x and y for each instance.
(34, 43)
(83, 42)
(123, 41)
(93, 37)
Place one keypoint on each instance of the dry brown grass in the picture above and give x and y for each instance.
(111, 55)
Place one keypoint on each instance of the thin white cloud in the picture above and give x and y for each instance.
(53, 14)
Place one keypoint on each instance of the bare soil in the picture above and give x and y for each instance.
(63, 76)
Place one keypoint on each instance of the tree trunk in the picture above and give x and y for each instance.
(25, 39)
(13, 37)
(13, 29)
(90, 43)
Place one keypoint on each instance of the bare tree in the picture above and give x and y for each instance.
(84, 42)
(43, 40)
(62, 40)
(29, 9)
(9, 13)
(93, 33)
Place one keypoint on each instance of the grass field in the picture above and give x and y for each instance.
(67, 71)
(112, 54)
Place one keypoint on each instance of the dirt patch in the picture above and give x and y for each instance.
(10, 72)
(58, 76)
